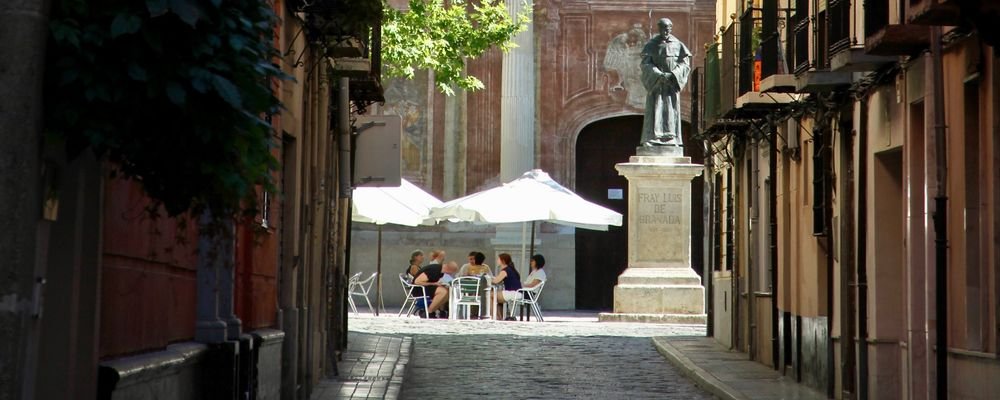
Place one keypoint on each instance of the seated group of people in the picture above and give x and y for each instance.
(436, 277)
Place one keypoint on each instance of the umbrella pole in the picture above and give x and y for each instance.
(378, 273)
(532, 251)
(524, 234)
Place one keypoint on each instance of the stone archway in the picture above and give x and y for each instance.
(602, 256)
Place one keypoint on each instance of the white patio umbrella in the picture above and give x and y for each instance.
(532, 197)
(406, 204)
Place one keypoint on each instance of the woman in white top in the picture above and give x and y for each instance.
(537, 275)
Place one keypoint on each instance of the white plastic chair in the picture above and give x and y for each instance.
(465, 293)
(529, 297)
(358, 287)
(410, 298)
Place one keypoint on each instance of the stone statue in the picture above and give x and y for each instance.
(666, 63)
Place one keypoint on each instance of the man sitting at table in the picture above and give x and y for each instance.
(475, 267)
(430, 278)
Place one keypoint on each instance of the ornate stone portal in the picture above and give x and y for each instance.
(659, 284)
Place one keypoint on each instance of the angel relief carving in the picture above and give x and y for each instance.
(623, 58)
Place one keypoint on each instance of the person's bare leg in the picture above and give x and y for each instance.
(500, 302)
(440, 299)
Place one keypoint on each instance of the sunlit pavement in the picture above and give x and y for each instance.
(568, 356)
(557, 323)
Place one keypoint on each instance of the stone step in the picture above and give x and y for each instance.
(660, 280)
(683, 319)
(659, 276)
(659, 299)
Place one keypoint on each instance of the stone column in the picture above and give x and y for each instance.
(659, 284)
(227, 292)
(517, 102)
(209, 328)
(517, 123)
(24, 31)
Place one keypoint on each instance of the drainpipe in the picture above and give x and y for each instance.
(346, 182)
(751, 249)
(940, 218)
(772, 215)
(821, 204)
(344, 129)
(862, 253)
(709, 239)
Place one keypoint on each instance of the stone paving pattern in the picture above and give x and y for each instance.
(542, 367)
(372, 367)
(569, 356)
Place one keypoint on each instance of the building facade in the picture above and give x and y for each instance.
(121, 303)
(569, 101)
(853, 166)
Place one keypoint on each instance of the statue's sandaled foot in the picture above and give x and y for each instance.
(665, 140)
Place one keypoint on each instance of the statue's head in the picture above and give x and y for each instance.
(666, 26)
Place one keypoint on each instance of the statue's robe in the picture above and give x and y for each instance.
(666, 64)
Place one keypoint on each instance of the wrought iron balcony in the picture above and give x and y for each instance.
(776, 48)
(749, 43)
(847, 39)
(935, 12)
(733, 71)
(888, 34)
(349, 32)
(711, 94)
(799, 33)
(728, 70)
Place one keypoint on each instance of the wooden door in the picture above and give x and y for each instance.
(602, 256)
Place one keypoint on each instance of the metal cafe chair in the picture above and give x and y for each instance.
(358, 287)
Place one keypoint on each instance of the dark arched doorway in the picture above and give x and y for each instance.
(602, 256)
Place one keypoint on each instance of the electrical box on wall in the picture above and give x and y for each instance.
(377, 151)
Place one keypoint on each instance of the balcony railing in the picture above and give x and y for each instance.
(710, 99)
(350, 31)
(888, 33)
(821, 58)
(839, 29)
(728, 70)
(876, 16)
(800, 33)
(770, 40)
(749, 42)
(936, 12)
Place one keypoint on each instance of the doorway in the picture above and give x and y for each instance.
(602, 256)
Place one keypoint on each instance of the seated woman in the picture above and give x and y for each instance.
(416, 258)
(511, 281)
(537, 274)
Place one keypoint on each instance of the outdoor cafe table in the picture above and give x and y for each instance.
(488, 292)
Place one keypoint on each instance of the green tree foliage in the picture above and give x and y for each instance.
(440, 35)
(175, 92)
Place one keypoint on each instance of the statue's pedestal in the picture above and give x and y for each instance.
(659, 284)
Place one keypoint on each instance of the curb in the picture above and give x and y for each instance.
(702, 378)
(399, 370)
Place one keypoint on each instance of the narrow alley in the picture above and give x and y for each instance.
(569, 356)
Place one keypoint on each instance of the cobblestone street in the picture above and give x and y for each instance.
(569, 356)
